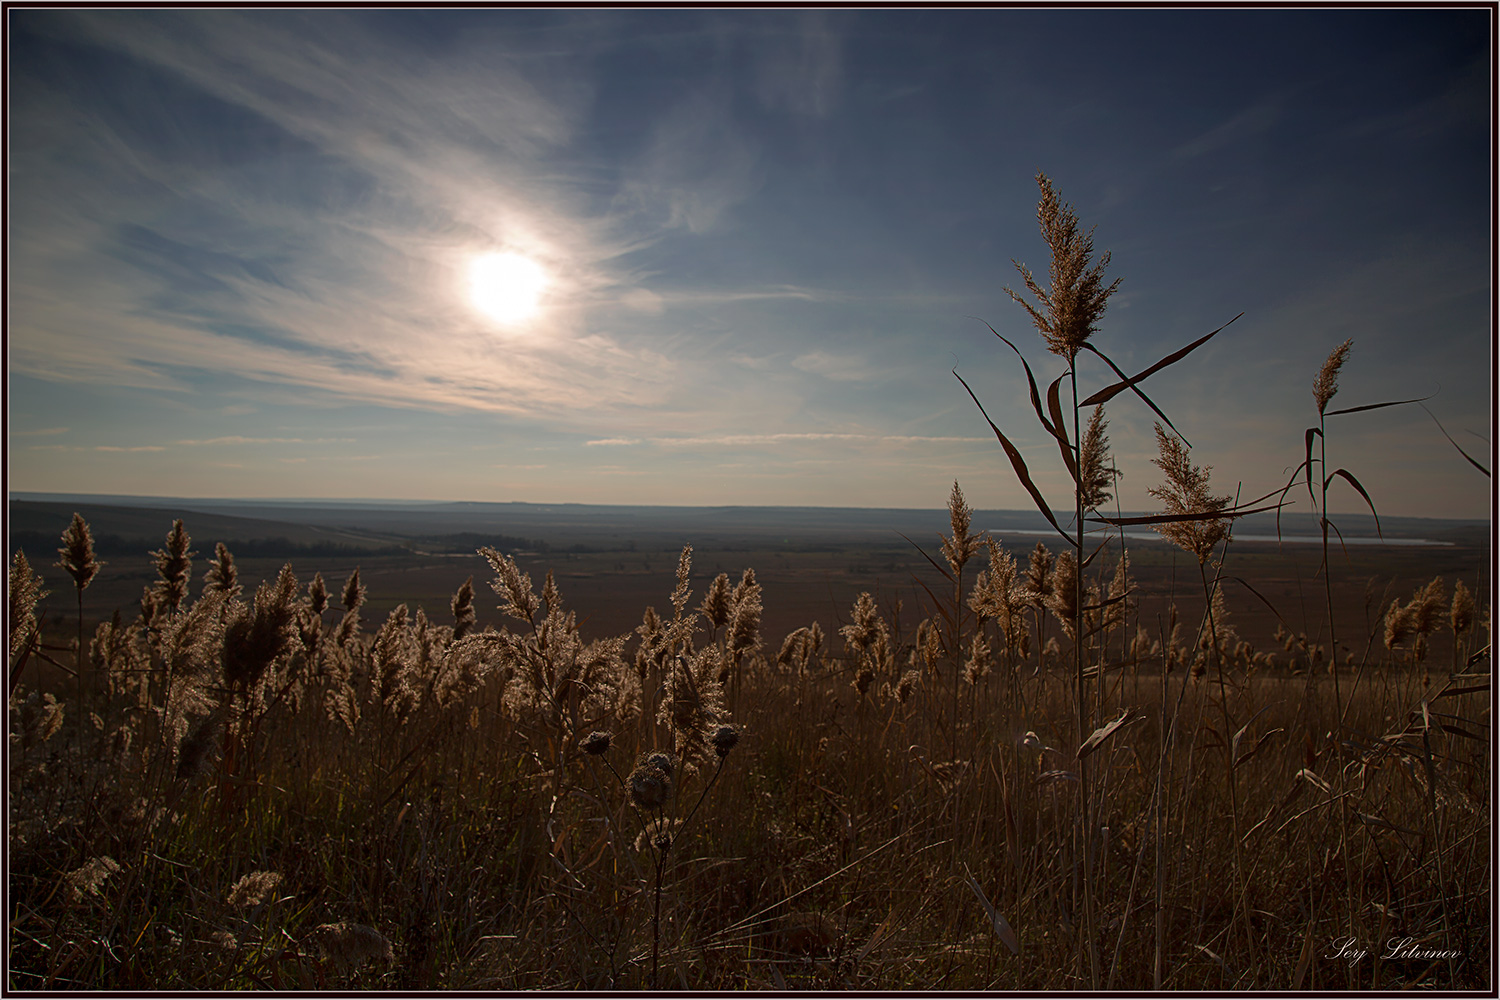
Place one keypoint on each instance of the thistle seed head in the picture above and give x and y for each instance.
(725, 739)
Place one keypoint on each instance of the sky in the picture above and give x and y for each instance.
(241, 248)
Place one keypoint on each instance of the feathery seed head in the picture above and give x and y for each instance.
(317, 595)
(253, 889)
(77, 553)
(1186, 491)
(960, 547)
(86, 880)
(222, 575)
(682, 592)
(174, 564)
(520, 601)
(25, 591)
(1071, 308)
(1461, 617)
(1039, 572)
(744, 619)
(1327, 382)
(1094, 474)
(716, 603)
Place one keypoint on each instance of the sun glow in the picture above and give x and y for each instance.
(506, 287)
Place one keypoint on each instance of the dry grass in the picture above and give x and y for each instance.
(482, 839)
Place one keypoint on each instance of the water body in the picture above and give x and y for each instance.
(1152, 536)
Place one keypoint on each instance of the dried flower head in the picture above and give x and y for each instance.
(464, 616)
(1039, 574)
(1071, 308)
(682, 591)
(1186, 492)
(1095, 476)
(596, 743)
(222, 575)
(907, 686)
(959, 547)
(651, 781)
(25, 591)
(256, 637)
(317, 595)
(513, 586)
(744, 616)
(174, 564)
(86, 879)
(716, 603)
(1327, 382)
(725, 738)
(253, 889)
(77, 553)
(1461, 616)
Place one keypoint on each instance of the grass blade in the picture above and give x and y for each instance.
(1110, 392)
(1453, 442)
(1017, 462)
(1145, 398)
(1107, 730)
(1036, 398)
(1228, 512)
(1054, 406)
(1002, 929)
(1376, 406)
(1349, 477)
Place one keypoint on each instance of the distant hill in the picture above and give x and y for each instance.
(334, 527)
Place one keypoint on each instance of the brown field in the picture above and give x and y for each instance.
(393, 809)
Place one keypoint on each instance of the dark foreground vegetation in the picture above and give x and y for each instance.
(269, 790)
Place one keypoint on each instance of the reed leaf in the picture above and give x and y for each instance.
(1036, 398)
(1453, 442)
(1145, 398)
(1002, 928)
(1017, 462)
(1111, 391)
(1377, 406)
(1054, 406)
(1348, 476)
(1107, 730)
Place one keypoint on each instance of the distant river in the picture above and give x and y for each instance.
(1333, 539)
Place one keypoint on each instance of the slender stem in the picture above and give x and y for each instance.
(1085, 829)
(1338, 701)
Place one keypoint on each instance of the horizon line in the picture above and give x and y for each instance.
(38, 495)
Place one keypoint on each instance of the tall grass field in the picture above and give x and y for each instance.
(1026, 774)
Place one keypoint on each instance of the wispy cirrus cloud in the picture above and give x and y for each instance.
(97, 447)
(786, 438)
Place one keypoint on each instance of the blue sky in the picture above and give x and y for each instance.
(239, 245)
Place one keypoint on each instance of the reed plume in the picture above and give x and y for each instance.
(253, 889)
(1070, 309)
(464, 616)
(25, 590)
(1327, 381)
(1186, 492)
(1095, 477)
(222, 575)
(174, 564)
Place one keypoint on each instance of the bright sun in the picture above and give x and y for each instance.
(506, 287)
